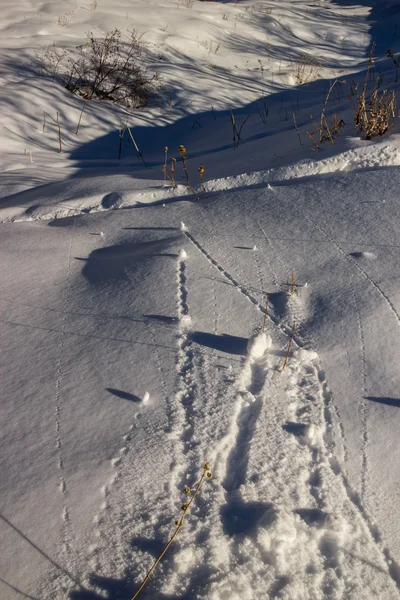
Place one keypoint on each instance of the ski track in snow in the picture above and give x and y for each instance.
(66, 526)
(187, 383)
(362, 403)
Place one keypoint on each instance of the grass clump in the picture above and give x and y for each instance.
(373, 114)
(374, 110)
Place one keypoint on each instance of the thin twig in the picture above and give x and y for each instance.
(297, 129)
(59, 132)
(140, 155)
(178, 523)
(201, 176)
(182, 152)
(312, 139)
(165, 164)
(121, 134)
(290, 345)
(80, 117)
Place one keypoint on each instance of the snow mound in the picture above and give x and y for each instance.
(258, 345)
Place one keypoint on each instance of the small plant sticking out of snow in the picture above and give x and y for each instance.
(326, 129)
(202, 170)
(306, 68)
(236, 132)
(169, 172)
(373, 113)
(106, 69)
(289, 347)
(182, 152)
(190, 495)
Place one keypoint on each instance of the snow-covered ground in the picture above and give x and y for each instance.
(134, 343)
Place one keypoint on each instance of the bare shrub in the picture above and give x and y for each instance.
(104, 68)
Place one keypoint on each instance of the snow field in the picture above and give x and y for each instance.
(133, 346)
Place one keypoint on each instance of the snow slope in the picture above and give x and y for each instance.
(133, 339)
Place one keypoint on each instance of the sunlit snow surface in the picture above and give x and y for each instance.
(134, 341)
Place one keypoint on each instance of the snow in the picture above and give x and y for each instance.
(258, 344)
(145, 332)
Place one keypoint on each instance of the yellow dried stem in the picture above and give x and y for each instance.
(289, 347)
(182, 152)
(179, 522)
(297, 129)
(80, 117)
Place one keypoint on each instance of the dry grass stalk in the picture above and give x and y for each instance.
(297, 129)
(121, 134)
(326, 130)
(263, 111)
(80, 117)
(138, 152)
(236, 131)
(306, 68)
(169, 174)
(173, 163)
(289, 347)
(165, 164)
(292, 284)
(311, 136)
(182, 152)
(57, 122)
(178, 523)
(201, 176)
(59, 132)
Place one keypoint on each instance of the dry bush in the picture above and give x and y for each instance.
(373, 116)
(104, 68)
(374, 111)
